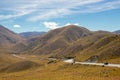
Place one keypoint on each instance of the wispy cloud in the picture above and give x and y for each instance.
(47, 9)
(16, 8)
(101, 7)
(17, 14)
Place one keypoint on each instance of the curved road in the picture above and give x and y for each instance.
(83, 63)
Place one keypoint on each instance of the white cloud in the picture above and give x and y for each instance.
(16, 26)
(76, 24)
(72, 24)
(54, 25)
(47, 9)
(51, 25)
(67, 24)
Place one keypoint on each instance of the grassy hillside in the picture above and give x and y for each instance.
(19, 66)
(8, 39)
(81, 44)
(67, 41)
(77, 41)
(63, 71)
(57, 39)
(106, 48)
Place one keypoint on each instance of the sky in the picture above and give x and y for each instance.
(44, 15)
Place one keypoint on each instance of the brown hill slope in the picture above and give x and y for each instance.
(19, 66)
(76, 41)
(82, 43)
(67, 41)
(106, 48)
(58, 39)
(8, 39)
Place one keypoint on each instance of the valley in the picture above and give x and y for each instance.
(36, 68)
(28, 58)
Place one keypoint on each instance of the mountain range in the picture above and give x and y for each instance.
(117, 32)
(31, 34)
(63, 42)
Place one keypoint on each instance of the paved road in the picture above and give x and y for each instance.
(98, 64)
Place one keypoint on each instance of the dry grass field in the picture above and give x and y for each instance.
(36, 68)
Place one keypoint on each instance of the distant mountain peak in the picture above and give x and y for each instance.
(32, 34)
(72, 26)
(74, 29)
(117, 32)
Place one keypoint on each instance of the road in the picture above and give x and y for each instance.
(83, 63)
(99, 64)
(18, 56)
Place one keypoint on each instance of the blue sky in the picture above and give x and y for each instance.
(44, 15)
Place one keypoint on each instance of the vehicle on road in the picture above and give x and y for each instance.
(106, 63)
